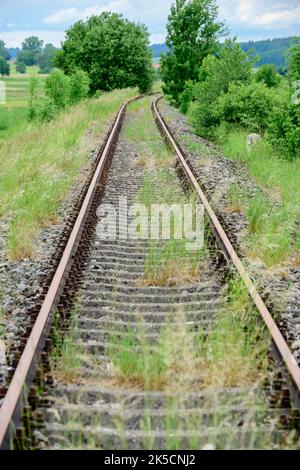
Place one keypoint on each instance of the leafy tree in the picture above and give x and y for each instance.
(45, 59)
(57, 88)
(216, 74)
(34, 86)
(113, 51)
(294, 62)
(267, 73)
(3, 51)
(31, 48)
(248, 105)
(284, 130)
(4, 67)
(80, 86)
(20, 67)
(193, 31)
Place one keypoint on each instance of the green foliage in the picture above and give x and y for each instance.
(186, 96)
(284, 129)
(80, 85)
(294, 62)
(20, 67)
(3, 51)
(248, 105)
(57, 88)
(33, 97)
(193, 31)
(45, 60)
(4, 67)
(216, 75)
(113, 51)
(31, 48)
(46, 109)
(268, 74)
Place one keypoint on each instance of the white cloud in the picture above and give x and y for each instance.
(157, 38)
(67, 15)
(266, 13)
(15, 38)
(280, 18)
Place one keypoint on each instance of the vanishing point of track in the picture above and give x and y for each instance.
(98, 268)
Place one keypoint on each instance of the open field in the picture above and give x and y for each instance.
(17, 89)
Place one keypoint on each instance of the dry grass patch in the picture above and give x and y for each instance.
(172, 264)
(232, 354)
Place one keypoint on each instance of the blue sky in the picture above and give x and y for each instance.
(246, 19)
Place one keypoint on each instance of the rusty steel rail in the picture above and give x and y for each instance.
(279, 341)
(17, 393)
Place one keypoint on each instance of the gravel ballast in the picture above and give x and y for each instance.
(216, 175)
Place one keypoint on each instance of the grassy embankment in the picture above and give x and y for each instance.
(274, 230)
(274, 215)
(40, 162)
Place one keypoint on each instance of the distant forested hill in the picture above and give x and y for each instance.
(270, 51)
(158, 49)
(13, 52)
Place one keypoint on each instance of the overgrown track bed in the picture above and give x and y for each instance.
(151, 345)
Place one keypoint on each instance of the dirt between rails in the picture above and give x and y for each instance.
(279, 288)
(21, 282)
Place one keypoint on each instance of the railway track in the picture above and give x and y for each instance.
(115, 358)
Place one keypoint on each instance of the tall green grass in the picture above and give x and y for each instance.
(274, 215)
(39, 165)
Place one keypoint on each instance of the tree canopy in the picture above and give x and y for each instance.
(4, 67)
(112, 50)
(45, 58)
(294, 62)
(193, 32)
(268, 74)
(31, 48)
(3, 51)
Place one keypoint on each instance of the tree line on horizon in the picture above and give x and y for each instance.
(269, 51)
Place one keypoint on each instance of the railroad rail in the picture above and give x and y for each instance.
(276, 335)
(71, 263)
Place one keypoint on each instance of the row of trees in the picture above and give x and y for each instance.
(113, 51)
(34, 52)
(216, 85)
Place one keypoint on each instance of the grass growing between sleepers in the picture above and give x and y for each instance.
(169, 262)
(232, 353)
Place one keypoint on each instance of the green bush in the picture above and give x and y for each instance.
(46, 109)
(79, 86)
(34, 86)
(267, 73)
(186, 97)
(293, 61)
(57, 88)
(20, 67)
(216, 75)
(284, 130)
(245, 105)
